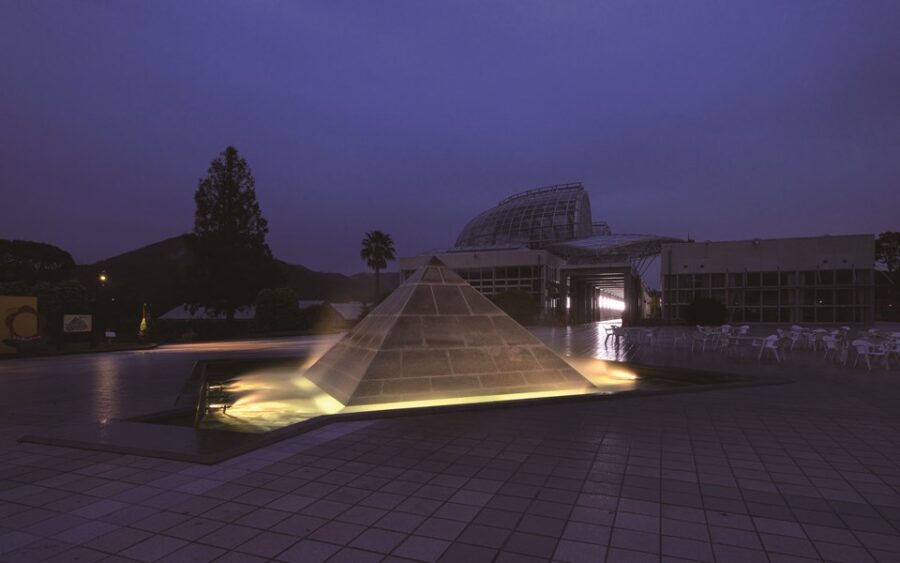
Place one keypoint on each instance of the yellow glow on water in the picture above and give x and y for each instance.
(266, 399)
(601, 373)
(465, 400)
(272, 398)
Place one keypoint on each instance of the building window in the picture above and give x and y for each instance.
(787, 297)
(842, 297)
(843, 277)
(736, 280)
(824, 297)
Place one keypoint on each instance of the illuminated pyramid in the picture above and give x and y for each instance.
(436, 337)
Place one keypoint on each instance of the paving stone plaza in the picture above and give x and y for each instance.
(803, 471)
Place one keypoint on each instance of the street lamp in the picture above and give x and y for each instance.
(99, 283)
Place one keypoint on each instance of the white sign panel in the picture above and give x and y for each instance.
(77, 323)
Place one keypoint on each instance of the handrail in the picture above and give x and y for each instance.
(202, 398)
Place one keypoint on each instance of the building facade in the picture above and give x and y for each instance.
(827, 279)
(545, 243)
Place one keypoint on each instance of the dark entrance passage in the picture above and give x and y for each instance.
(602, 293)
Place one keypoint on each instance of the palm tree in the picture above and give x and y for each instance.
(377, 249)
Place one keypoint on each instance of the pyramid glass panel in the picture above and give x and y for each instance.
(436, 337)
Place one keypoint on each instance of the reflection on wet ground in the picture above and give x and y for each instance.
(587, 341)
(264, 397)
(51, 392)
(60, 390)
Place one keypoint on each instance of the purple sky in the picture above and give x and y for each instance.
(721, 119)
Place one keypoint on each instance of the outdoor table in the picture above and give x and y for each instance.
(739, 344)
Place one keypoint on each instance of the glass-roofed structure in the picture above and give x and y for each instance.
(545, 242)
(534, 218)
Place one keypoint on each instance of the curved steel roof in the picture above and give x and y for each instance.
(535, 218)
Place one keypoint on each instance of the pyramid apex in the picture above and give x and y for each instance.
(435, 261)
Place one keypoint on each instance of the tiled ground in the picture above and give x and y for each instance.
(806, 471)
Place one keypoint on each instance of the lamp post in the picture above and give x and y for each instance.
(99, 284)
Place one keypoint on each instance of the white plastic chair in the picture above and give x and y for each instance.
(610, 331)
(795, 337)
(701, 336)
(816, 339)
(831, 346)
(867, 350)
(618, 332)
(770, 344)
(894, 348)
(844, 351)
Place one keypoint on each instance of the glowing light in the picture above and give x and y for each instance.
(603, 375)
(604, 302)
(466, 400)
(266, 399)
(568, 302)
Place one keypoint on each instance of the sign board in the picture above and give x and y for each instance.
(19, 321)
(77, 323)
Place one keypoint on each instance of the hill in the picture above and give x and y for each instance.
(156, 274)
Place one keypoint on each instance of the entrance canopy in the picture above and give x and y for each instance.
(632, 246)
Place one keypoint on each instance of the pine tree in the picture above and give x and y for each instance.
(232, 261)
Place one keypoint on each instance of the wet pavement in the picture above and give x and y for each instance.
(48, 392)
(805, 471)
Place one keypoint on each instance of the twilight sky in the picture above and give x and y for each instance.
(725, 120)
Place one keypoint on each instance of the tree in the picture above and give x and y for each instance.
(887, 250)
(277, 310)
(33, 262)
(377, 250)
(232, 261)
(887, 284)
